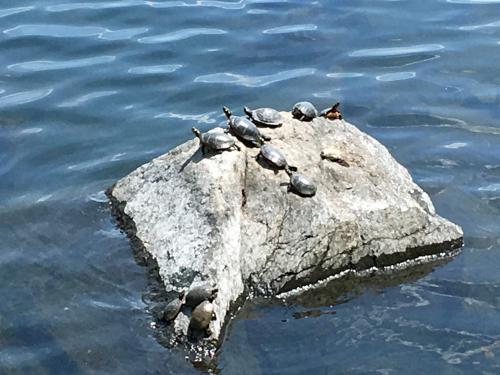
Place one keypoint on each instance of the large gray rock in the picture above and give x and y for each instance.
(227, 219)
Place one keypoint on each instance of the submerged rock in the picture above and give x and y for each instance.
(228, 220)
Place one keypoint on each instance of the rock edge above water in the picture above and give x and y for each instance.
(227, 219)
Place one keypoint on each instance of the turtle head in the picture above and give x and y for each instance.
(182, 293)
(290, 169)
(248, 111)
(196, 132)
(227, 111)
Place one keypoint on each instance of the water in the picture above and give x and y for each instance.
(91, 90)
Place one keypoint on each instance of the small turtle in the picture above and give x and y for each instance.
(332, 113)
(202, 315)
(173, 308)
(200, 293)
(334, 155)
(264, 116)
(215, 140)
(304, 111)
(244, 129)
(274, 157)
(300, 184)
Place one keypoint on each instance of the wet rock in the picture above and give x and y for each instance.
(226, 219)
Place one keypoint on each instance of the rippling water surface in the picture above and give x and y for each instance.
(90, 90)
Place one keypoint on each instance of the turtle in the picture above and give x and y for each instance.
(215, 140)
(202, 315)
(274, 157)
(264, 116)
(334, 155)
(200, 293)
(304, 111)
(300, 184)
(172, 308)
(245, 129)
(332, 113)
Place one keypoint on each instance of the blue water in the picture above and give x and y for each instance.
(91, 90)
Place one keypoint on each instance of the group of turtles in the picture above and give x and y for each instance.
(245, 129)
(200, 299)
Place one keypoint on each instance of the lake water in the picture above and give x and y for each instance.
(91, 90)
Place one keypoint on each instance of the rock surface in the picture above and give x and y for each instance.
(226, 218)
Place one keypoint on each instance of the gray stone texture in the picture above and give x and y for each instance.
(226, 218)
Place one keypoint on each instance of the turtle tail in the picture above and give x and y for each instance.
(247, 111)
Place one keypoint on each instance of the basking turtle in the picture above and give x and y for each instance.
(264, 116)
(332, 113)
(300, 184)
(334, 155)
(274, 157)
(244, 129)
(304, 111)
(202, 315)
(173, 308)
(200, 293)
(215, 140)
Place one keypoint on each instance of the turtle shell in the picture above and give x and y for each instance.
(266, 117)
(202, 316)
(198, 294)
(273, 155)
(304, 111)
(217, 140)
(245, 129)
(302, 185)
(172, 309)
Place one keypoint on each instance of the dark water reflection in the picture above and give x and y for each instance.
(89, 90)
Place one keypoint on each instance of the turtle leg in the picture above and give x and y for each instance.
(203, 150)
(237, 148)
(265, 138)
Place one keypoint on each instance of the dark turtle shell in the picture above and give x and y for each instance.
(332, 113)
(202, 315)
(244, 128)
(273, 156)
(172, 309)
(217, 140)
(302, 185)
(304, 111)
(265, 116)
(198, 294)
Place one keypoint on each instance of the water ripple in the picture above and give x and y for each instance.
(8, 12)
(254, 81)
(345, 75)
(479, 2)
(56, 31)
(291, 29)
(399, 76)
(24, 97)
(63, 31)
(38, 66)
(155, 69)
(483, 26)
(396, 51)
(94, 6)
(205, 118)
(180, 35)
(85, 98)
